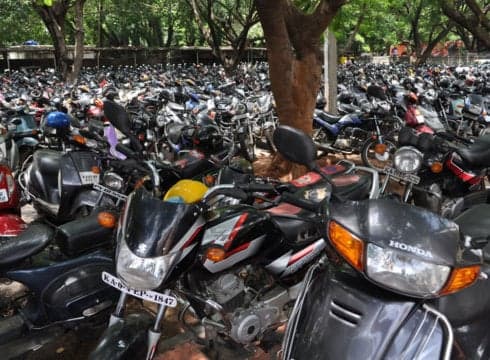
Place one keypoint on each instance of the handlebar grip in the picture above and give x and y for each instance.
(302, 203)
(255, 187)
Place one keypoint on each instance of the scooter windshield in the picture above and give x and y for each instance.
(152, 227)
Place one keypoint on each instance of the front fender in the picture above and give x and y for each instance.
(126, 339)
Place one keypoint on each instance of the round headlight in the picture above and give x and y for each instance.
(408, 159)
(113, 181)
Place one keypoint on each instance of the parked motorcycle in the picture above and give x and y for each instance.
(441, 175)
(250, 261)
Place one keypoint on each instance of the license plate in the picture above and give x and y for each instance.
(414, 179)
(89, 178)
(148, 295)
(3, 196)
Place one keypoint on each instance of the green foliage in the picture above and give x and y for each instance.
(20, 23)
(170, 22)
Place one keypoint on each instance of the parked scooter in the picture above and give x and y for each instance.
(392, 285)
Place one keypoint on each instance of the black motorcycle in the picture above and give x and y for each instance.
(397, 282)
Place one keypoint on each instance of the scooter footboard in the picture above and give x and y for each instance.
(342, 317)
(125, 339)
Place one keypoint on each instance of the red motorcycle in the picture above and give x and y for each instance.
(11, 224)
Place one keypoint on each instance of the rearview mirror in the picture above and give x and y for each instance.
(295, 146)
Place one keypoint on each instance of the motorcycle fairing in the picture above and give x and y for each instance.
(153, 228)
(344, 317)
(386, 223)
(42, 177)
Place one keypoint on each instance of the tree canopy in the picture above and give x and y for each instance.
(360, 26)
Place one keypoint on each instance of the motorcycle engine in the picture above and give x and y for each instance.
(247, 314)
(350, 139)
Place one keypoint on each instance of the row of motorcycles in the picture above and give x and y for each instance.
(352, 267)
(375, 101)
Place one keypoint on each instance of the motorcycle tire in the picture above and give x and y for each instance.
(247, 149)
(377, 161)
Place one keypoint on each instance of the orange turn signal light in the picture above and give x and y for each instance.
(461, 278)
(106, 219)
(436, 167)
(79, 139)
(95, 169)
(380, 148)
(215, 254)
(347, 244)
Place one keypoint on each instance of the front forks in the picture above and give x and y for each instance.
(154, 332)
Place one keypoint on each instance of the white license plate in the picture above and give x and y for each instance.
(148, 295)
(89, 178)
(4, 197)
(414, 179)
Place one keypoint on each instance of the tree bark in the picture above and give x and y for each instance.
(53, 18)
(79, 39)
(295, 62)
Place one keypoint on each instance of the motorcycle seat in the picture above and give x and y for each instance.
(330, 118)
(475, 222)
(15, 249)
(477, 155)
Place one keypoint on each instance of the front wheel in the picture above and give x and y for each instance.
(378, 155)
(247, 148)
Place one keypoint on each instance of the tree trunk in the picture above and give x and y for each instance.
(79, 39)
(295, 63)
(53, 18)
(477, 24)
(352, 36)
(432, 44)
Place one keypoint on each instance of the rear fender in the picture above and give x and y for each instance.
(125, 339)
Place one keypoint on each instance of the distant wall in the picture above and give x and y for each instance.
(43, 56)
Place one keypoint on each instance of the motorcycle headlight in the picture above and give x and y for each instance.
(404, 273)
(408, 159)
(142, 273)
(113, 181)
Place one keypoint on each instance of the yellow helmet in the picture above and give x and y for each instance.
(189, 191)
